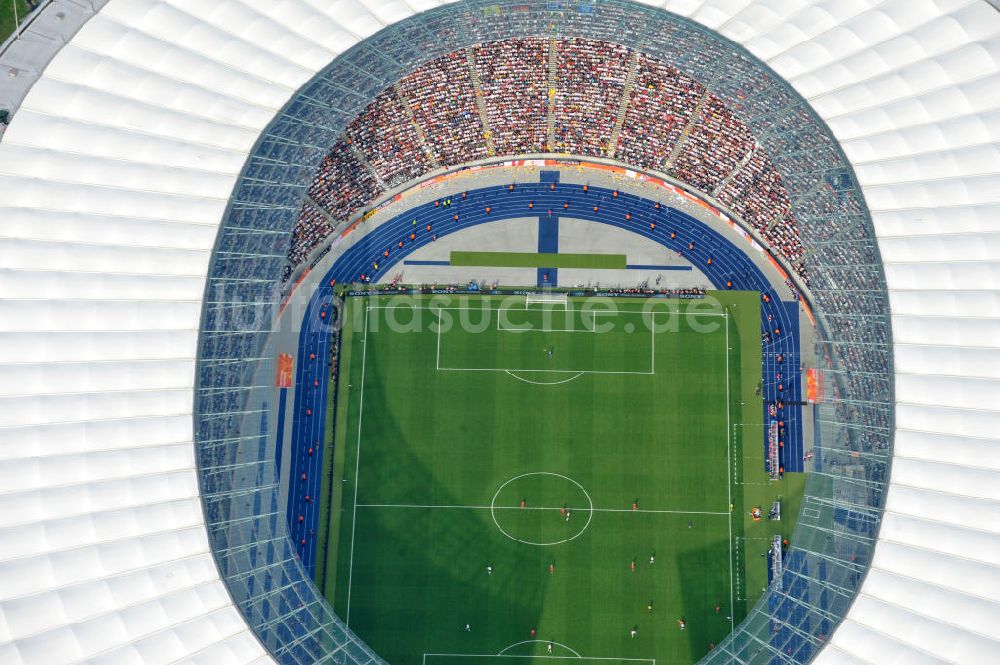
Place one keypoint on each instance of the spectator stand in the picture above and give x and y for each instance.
(434, 116)
(795, 281)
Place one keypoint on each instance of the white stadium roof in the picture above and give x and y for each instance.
(116, 171)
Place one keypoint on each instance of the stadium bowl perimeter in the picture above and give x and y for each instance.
(106, 246)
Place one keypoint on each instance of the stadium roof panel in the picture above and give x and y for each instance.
(124, 148)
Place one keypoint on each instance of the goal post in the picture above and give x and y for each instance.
(560, 299)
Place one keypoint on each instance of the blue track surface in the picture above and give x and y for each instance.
(548, 234)
(280, 438)
(548, 243)
(722, 261)
(411, 262)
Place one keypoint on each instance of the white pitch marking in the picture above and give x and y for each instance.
(357, 468)
(553, 508)
(729, 476)
(590, 508)
(558, 644)
(544, 383)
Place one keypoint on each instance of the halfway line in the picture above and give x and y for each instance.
(596, 510)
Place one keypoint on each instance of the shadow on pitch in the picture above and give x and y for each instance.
(419, 575)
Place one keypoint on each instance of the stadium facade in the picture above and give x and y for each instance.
(153, 170)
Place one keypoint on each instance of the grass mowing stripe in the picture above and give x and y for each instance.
(335, 437)
(538, 260)
(357, 469)
(450, 439)
(390, 470)
(729, 469)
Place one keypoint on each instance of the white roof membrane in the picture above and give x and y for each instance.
(116, 170)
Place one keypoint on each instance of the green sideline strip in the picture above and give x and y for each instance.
(533, 260)
(7, 23)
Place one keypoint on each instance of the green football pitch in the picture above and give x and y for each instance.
(514, 483)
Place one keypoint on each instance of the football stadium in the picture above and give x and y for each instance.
(500, 332)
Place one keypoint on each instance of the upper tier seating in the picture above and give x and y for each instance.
(437, 117)
(589, 91)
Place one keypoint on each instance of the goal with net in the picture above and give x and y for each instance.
(550, 299)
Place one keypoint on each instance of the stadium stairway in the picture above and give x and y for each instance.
(375, 255)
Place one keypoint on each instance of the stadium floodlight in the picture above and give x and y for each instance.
(127, 184)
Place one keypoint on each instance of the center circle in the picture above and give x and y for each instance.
(542, 508)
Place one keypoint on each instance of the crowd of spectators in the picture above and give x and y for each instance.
(343, 185)
(514, 79)
(443, 100)
(432, 118)
(757, 194)
(313, 226)
(645, 289)
(717, 143)
(662, 102)
(384, 134)
(850, 276)
(589, 89)
(753, 174)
